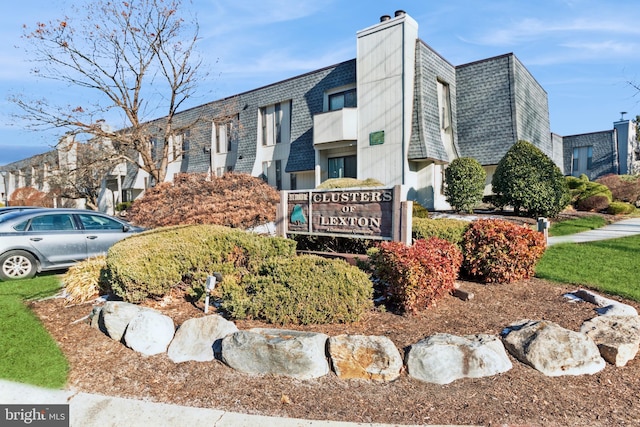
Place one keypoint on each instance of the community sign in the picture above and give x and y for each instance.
(372, 213)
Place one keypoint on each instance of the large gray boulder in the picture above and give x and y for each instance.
(364, 357)
(552, 349)
(277, 351)
(116, 315)
(149, 333)
(197, 338)
(606, 306)
(443, 358)
(617, 337)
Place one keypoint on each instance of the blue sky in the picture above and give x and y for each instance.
(582, 52)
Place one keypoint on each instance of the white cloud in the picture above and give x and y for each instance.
(225, 16)
(529, 29)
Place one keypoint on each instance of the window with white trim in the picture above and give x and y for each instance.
(343, 99)
(275, 124)
(582, 160)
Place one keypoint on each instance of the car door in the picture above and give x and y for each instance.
(101, 232)
(56, 238)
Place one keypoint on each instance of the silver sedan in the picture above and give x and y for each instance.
(37, 240)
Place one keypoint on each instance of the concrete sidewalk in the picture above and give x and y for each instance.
(87, 410)
(623, 228)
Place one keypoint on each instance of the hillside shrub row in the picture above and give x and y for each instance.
(264, 279)
(613, 194)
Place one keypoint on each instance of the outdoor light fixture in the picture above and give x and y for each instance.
(209, 286)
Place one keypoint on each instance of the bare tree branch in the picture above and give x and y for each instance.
(136, 59)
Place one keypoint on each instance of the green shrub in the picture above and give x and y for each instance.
(348, 245)
(498, 251)
(419, 211)
(576, 185)
(594, 203)
(465, 179)
(123, 206)
(150, 264)
(620, 208)
(303, 290)
(349, 183)
(418, 275)
(595, 189)
(528, 179)
(444, 228)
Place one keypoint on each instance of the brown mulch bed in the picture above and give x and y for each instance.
(521, 396)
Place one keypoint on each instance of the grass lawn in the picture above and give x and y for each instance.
(27, 353)
(572, 226)
(609, 265)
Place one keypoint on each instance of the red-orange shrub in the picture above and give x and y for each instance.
(498, 251)
(233, 200)
(418, 275)
(28, 196)
(624, 188)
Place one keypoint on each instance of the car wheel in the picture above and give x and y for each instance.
(17, 265)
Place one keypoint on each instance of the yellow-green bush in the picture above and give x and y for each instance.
(444, 228)
(82, 282)
(150, 264)
(349, 183)
(306, 289)
(620, 208)
(419, 211)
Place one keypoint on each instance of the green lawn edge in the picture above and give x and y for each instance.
(29, 354)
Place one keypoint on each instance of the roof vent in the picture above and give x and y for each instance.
(384, 18)
(400, 13)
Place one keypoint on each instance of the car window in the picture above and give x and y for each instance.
(52, 222)
(99, 222)
(22, 226)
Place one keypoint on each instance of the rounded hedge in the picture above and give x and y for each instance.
(528, 179)
(150, 264)
(620, 208)
(305, 289)
(465, 180)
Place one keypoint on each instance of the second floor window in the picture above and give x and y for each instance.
(345, 99)
(275, 123)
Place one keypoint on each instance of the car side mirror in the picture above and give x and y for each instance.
(125, 228)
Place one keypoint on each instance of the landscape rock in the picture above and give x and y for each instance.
(95, 319)
(443, 358)
(149, 332)
(606, 306)
(277, 351)
(364, 357)
(551, 349)
(617, 337)
(200, 338)
(116, 315)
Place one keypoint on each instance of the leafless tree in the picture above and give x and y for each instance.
(136, 59)
(81, 175)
